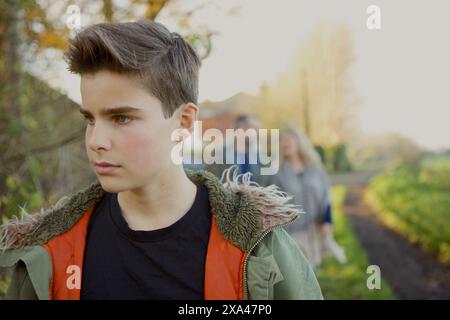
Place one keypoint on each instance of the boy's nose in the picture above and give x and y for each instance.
(97, 138)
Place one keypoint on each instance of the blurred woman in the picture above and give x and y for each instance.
(302, 175)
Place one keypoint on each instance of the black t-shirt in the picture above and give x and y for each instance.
(168, 263)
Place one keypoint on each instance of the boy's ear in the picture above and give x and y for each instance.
(188, 115)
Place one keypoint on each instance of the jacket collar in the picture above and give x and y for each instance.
(244, 211)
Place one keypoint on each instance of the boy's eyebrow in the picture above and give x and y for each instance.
(84, 112)
(114, 110)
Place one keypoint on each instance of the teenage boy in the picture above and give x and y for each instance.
(148, 229)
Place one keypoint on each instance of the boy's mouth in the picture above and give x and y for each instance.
(105, 167)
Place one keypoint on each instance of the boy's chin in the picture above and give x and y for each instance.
(112, 186)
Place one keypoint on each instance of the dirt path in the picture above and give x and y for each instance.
(411, 273)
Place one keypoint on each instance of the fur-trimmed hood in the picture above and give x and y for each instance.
(244, 211)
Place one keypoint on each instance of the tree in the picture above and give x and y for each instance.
(315, 93)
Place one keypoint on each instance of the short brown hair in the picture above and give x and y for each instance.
(163, 61)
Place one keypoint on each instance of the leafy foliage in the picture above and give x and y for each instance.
(416, 203)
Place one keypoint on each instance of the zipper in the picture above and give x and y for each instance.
(245, 294)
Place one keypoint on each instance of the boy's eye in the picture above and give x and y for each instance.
(121, 119)
(89, 120)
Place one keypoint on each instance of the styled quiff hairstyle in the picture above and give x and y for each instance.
(163, 61)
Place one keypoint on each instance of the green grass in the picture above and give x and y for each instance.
(4, 283)
(347, 281)
(416, 203)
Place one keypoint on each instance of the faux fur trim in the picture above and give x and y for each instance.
(260, 208)
(244, 211)
(39, 228)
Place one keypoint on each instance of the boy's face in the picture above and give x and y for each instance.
(289, 145)
(136, 142)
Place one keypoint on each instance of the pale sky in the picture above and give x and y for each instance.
(401, 72)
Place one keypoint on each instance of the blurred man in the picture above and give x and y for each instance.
(243, 150)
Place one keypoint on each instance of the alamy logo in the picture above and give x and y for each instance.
(73, 281)
(74, 19)
(217, 149)
(374, 19)
(374, 280)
